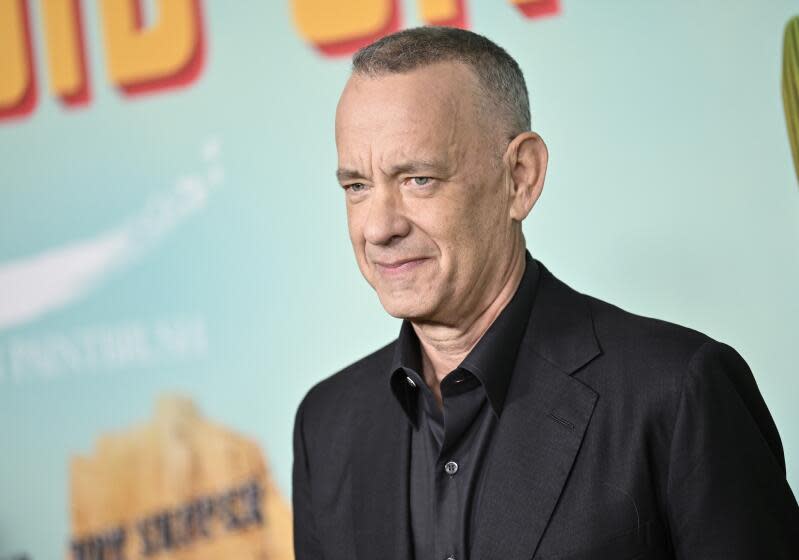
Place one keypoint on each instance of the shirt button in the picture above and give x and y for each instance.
(410, 381)
(451, 467)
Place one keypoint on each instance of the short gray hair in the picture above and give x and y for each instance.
(497, 72)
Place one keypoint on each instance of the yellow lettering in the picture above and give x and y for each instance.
(443, 12)
(343, 26)
(167, 53)
(65, 50)
(17, 87)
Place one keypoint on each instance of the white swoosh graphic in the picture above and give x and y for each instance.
(33, 286)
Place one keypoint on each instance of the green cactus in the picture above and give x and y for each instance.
(790, 86)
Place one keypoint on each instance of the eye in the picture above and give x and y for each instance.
(355, 187)
(421, 181)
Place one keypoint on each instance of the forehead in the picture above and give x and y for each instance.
(430, 106)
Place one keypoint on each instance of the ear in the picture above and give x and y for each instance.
(526, 160)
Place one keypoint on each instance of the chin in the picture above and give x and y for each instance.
(403, 308)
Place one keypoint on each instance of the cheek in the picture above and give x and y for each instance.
(354, 226)
(469, 230)
(441, 218)
(462, 219)
(433, 234)
(450, 229)
(490, 211)
(355, 229)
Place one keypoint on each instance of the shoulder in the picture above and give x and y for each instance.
(646, 360)
(352, 385)
(627, 334)
(668, 366)
(574, 321)
(659, 344)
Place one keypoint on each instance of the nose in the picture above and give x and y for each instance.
(385, 222)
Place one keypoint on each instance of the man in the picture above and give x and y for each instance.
(513, 418)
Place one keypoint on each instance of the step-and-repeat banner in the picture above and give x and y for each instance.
(175, 270)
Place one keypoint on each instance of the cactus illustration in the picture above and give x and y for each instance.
(790, 86)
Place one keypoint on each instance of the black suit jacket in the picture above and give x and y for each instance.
(622, 437)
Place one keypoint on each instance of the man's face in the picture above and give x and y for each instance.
(427, 192)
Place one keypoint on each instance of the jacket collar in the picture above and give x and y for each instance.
(490, 361)
(545, 409)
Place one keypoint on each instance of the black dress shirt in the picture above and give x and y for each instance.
(448, 450)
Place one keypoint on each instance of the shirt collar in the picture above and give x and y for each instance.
(492, 358)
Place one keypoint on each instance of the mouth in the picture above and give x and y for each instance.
(399, 266)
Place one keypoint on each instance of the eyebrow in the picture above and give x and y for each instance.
(347, 174)
(405, 168)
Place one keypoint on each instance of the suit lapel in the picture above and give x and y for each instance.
(541, 427)
(540, 430)
(380, 491)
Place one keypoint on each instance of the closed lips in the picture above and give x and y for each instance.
(398, 263)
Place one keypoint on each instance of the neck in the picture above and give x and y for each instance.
(443, 347)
